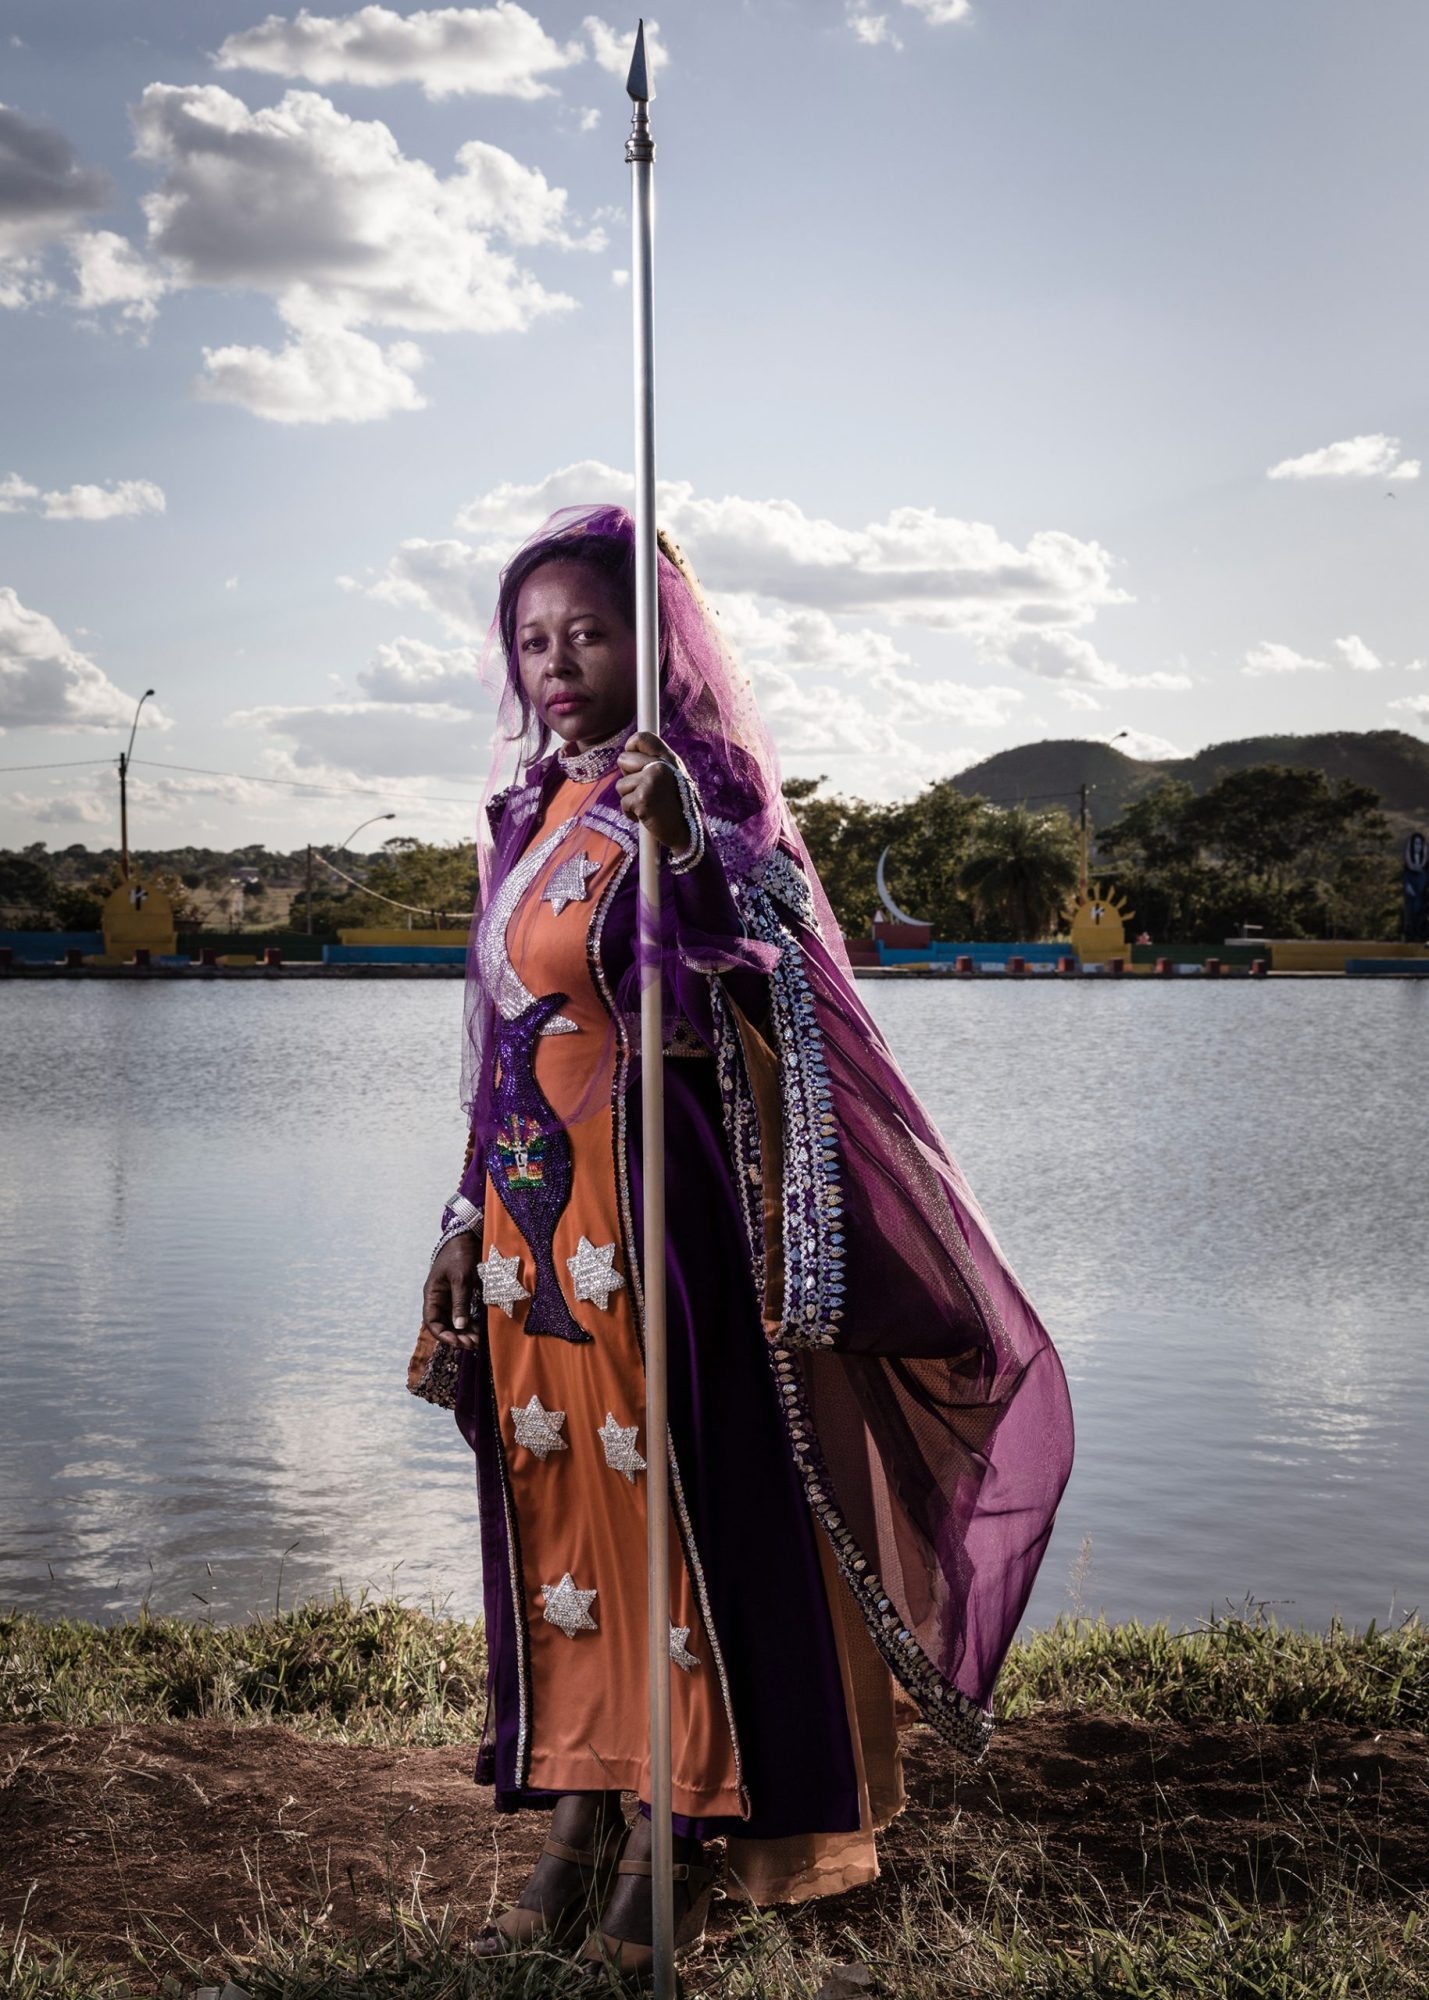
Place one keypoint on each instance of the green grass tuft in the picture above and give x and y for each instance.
(359, 1670)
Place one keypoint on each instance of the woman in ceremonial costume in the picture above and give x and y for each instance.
(869, 1427)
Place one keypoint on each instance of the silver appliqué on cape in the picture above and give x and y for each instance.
(538, 1429)
(619, 1442)
(679, 1651)
(593, 1273)
(568, 881)
(568, 1606)
(501, 1281)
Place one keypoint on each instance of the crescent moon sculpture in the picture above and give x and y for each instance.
(898, 916)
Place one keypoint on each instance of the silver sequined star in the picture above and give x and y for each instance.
(679, 1651)
(568, 882)
(539, 1430)
(568, 1606)
(500, 1281)
(594, 1273)
(619, 1442)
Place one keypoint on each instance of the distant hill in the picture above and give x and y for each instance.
(1394, 763)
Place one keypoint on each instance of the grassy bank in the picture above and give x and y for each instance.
(979, 1901)
(367, 1670)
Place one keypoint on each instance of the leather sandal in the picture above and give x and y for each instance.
(519, 1929)
(635, 1962)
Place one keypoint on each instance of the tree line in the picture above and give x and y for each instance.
(1277, 846)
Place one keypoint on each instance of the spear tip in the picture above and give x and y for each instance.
(637, 83)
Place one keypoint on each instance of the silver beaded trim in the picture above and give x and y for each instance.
(693, 853)
(813, 1196)
(782, 878)
(498, 975)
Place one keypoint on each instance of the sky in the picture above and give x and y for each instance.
(1026, 369)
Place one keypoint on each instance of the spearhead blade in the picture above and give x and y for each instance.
(637, 84)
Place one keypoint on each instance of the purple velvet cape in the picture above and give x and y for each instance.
(849, 1351)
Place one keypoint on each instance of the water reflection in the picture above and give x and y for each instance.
(216, 1207)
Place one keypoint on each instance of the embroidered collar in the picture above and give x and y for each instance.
(584, 766)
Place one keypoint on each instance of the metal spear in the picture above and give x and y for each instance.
(640, 154)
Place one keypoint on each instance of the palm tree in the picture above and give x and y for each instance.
(1021, 869)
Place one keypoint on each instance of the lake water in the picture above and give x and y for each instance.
(217, 1204)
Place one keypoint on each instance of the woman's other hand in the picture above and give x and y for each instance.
(447, 1294)
(648, 791)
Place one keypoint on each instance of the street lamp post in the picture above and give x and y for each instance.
(340, 848)
(125, 757)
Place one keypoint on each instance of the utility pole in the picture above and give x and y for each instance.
(308, 888)
(1085, 856)
(125, 757)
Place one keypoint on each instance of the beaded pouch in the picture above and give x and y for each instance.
(432, 1370)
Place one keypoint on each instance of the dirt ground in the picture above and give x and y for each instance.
(189, 1831)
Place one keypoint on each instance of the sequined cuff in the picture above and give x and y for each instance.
(460, 1217)
(692, 855)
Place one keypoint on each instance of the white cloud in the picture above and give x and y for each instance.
(1270, 657)
(16, 494)
(916, 568)
(872, 28)
(773, 642)
(66, 808)
(612, 48)
(411, 670)
(82, 503)
(376, 739)
(323, 376)
(1372, 456)
(1413, 704)
(327, 215)
(1356, 654)
(124, 498)
(451, 580)
(46, 683)
(1078, 698)
(109, 271)
(587, 118)
(496, 51)
(941, 13)
(869, 27)
(1061, 655)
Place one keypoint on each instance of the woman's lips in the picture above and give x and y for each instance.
(566, 704)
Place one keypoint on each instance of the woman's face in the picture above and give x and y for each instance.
(576, 653)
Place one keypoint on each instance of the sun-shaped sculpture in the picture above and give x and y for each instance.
(1096, 921)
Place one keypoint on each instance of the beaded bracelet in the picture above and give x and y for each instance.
(465, 1219)
(691, 855)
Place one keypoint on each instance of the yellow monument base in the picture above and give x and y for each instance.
(137, 917)
(1097, 927)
